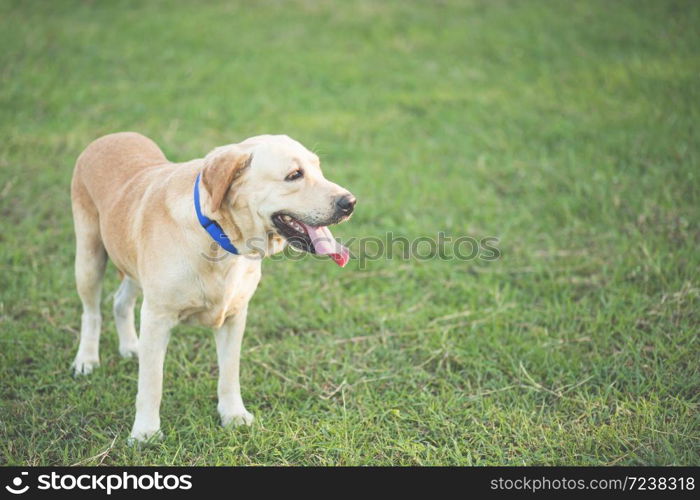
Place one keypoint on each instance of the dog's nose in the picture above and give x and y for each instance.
(346, 203)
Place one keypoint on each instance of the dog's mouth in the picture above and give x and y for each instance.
(312, 239)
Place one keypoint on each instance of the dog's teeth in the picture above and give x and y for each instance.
(286, 218)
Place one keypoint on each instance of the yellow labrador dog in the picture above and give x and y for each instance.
(158, 221)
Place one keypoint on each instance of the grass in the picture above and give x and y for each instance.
(568, 130)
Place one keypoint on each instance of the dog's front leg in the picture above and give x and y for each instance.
(228, 349)
(153, 342)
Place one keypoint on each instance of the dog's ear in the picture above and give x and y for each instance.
(222, 166)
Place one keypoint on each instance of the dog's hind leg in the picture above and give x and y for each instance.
(90, 261)
(124, 301)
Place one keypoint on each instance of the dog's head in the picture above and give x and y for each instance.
(272, 190)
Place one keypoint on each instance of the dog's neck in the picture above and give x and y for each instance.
(236, 224)
(252, 236)
(242, 227)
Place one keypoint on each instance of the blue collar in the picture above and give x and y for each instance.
(211, 226)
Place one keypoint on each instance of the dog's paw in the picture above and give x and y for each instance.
(236, 418)
(129, 351)
(84, 366)
(144, 437)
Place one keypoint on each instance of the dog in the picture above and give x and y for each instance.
(158, 221)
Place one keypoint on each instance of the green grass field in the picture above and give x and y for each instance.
(568, 130)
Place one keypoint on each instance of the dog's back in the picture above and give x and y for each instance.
(108, 163)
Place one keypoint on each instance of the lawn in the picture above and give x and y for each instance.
(566, 130)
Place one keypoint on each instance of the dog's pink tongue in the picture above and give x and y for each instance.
(325, 244)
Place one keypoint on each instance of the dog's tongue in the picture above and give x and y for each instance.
(325, 244)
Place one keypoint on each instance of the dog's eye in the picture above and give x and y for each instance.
(297, 174)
